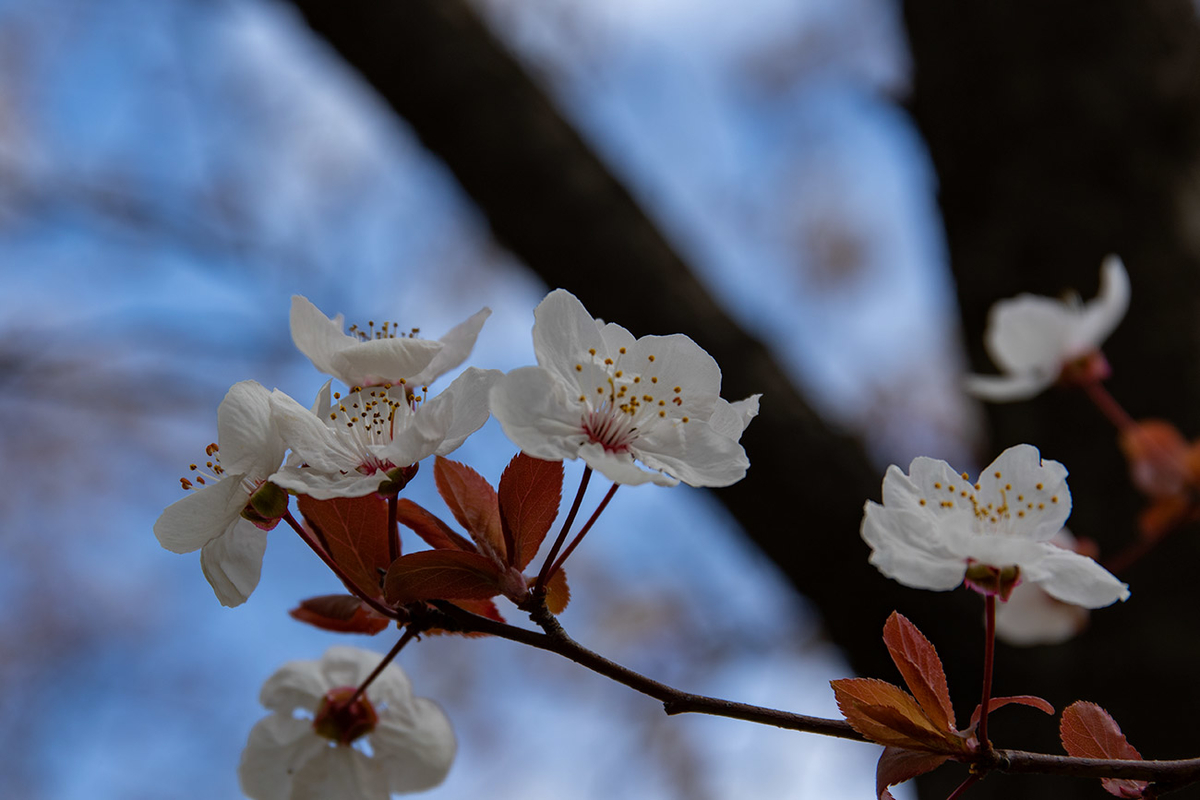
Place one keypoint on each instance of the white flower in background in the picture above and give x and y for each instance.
(210, 519)
(1032, 338)
(382, 355)
(936, 528)
(320, 756)
(1031, 617)
(603, 396)
(346, 445)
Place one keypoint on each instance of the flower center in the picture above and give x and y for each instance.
(343, 718)
(624, 400)
(371, 417)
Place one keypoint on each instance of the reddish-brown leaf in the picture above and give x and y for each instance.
(530, 491)
(441, 575)
(921, 668)
(472, 501)
(430, 527)
(889, 715)
(898, 765)
(1020, 699)
(558, 594)
(355, 531)
(1087, 731)
(343, 613)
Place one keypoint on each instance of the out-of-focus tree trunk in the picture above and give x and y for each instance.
(1062, 132)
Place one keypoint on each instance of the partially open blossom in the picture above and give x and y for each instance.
(937, 527)
(215, 518)
(382, 354)
(1032, 617)
(1033, 339)
(346, 446)
(313, 746)
(601, 395)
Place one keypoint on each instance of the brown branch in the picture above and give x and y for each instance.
(554, 639)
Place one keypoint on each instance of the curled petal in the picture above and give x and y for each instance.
(233, 562)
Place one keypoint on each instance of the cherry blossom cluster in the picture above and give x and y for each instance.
(636, 411)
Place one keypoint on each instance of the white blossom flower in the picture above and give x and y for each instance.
(317, 756)
(603, 396)
(1032, 338)
(383, 355)
(936, 524)
(210, 519)
(347, 445)
(1032, 617)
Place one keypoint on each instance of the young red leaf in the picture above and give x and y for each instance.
(441, 575)
(473, 502)
(557, 592)
(530, 491)
(430, 527)
(898, 765)
(1088, 731)
(342, 613)
(355, 531)
(921, 668)
(1020, 699)
(888, 715)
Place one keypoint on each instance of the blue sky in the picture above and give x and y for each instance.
(174, 171)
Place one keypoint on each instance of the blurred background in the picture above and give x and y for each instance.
(171, 172)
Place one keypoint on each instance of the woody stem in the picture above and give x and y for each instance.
(583, 531)
(989, 649)
(409, 634)
(544, 575)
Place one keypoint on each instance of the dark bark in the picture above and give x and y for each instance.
(1061, 132)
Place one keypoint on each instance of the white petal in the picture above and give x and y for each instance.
(1041, 482)
(233, 562)
(1010, 386)
(620, 467)
(1073, 578)
(694, 453)
(904, 548)
(422, 433)
(563, 333)
(350, 666)
(679, 363)
(340, 773)
(469, 395)
(415, 745)
(1102, 315)
(327, 485)
(534, 409)
(297, 685)
(456, 346)
(1029, 333)
(310, 438)
(250, 444)
(1031, 617)
(380, 361)
(279, 746)
(354, 362)
(317, 336)
(201, 515)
